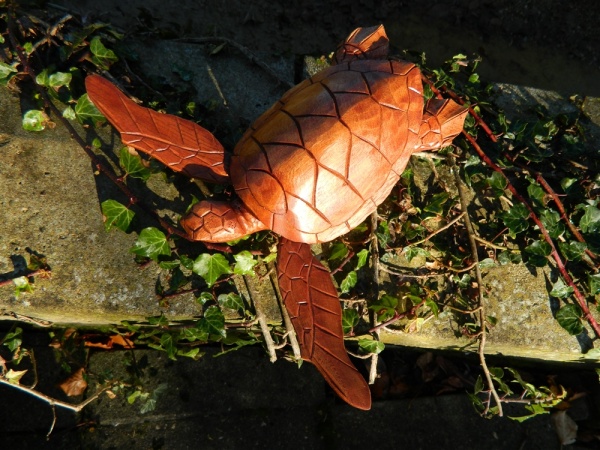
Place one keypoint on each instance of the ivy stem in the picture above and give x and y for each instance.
(481, 309)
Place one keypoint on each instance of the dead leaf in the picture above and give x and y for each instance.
(107, 342)
(565, 427)
(75, 384)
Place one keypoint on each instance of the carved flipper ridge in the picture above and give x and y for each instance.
(313, 305)
(180, 144)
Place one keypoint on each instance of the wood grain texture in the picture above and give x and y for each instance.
(180, 144)
(213, 221)
(314, 308)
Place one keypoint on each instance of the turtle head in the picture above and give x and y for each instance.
(363, 43)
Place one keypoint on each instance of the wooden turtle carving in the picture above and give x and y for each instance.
(311, 168)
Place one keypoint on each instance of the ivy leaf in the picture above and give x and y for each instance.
(411, 252)
(383, 233)
(536, 193)
(433, 306)
(590, 221)
(116, 215)
(594, 281)
(14, 339)
(213, 322)
(561, 290)
(35, 120)
(14, 376)
(498, 183)
(363, 255)
(151, 243)
(551, 221)
(436, 202)
(205, 297)
(385, 307)
(22, 284)
(133, 165)
(516, 219)
(349, 282)
(538, 252)
(59, 79)
(211, 267)
(231, 301)
(6, 72)
(167, 342)
(370, 346)
(338, 251)
(569, 317)
(349, 320)
(573, 250)
(102, 56)
(87, 112)
(244, 263)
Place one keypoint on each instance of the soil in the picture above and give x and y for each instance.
(543, 43)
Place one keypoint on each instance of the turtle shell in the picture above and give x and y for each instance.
(319, 161)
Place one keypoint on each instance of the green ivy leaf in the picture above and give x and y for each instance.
(538, 253)
(383, 233)
(349, 320)
(537, 194)
(59, 79)
(116, 215)
(363, 255)
(385, 307)
(433, 306)
(102, 56)
(498, 183)
(435, 204)
(35, 120)
(151, 243)
(244, 263)
(371, 346)
(205, 297)
(561, 290)
(231, 301)
(590, 221)
(516, 219)
(573, 250)
(594, 281)
(86, 112)
(338, 251)
(6, 72)
(211, 267)
(168, 343)
(13, 339)
(22, 284)
(133, 165)
(551, 221)
(569, 317)
(69, 113)
(411, 252)
(213, 322)
(349, 282)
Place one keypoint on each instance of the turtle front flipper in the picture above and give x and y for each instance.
(213, 221)
(314, 307)
(442, 122)
(179, 144)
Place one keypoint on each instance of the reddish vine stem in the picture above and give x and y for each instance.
(581, 300)
(96, 161)
(40, 272)
(561, 209)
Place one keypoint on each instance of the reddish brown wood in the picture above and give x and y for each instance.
(311, 168)
(313, 305)
(179, 144)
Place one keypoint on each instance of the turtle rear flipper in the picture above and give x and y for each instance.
(314, 307)
(442, 122)
(179, 144)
